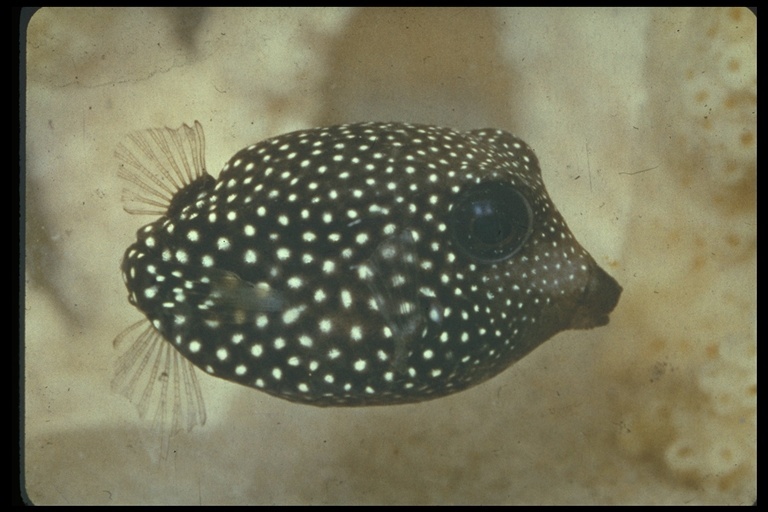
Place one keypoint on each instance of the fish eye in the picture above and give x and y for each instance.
(490, 221)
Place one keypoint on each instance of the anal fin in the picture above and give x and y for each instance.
(160, 381)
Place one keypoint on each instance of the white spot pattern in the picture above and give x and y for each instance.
(321, 267)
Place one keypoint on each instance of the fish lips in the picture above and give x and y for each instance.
(600, 296)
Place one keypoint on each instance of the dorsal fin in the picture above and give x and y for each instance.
(157, 163)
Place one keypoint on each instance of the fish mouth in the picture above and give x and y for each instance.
(600, 297)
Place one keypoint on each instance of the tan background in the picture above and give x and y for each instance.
(644, 122)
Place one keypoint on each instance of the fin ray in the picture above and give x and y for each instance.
(157, 163)
(394, 283)
(144, 373)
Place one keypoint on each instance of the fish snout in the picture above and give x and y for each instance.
(600, 296)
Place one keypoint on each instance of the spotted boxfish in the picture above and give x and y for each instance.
(353, 265)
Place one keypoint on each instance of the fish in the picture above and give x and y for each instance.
(364, 264)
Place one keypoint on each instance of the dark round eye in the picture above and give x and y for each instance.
(490, 221)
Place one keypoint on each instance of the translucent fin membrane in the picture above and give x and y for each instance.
(157, 163)
(229, 294)
(153, 375)
(393, 278)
